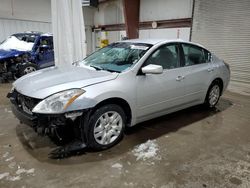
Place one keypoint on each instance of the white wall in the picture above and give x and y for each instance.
(10, 26)
(110, 12)
(151, 10)
(88, 15)
(168, 33)
(114, 36)
(24, 15)
(34, 10)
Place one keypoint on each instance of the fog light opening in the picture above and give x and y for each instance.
(73, 115)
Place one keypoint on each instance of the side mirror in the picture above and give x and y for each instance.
(152, 69)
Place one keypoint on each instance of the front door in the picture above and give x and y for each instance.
(45, 52)
(157, 93)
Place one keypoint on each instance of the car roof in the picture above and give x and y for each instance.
(36, 33)
(156, 41)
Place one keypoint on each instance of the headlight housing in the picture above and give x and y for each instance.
(58, 103)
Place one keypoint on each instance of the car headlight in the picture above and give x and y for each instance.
(58, 102)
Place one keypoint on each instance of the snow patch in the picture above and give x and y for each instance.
(3, 175)
(13, 43)
(14, 178)
(8, 111)
(6, 146)
(9, 159)
(147, 150)
(12, 165)
(6, 154)
(117, 165)
(130, 184)
(22, 170)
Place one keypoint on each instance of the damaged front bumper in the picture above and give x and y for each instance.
(56, 126)
(24, 117)
(44, 124)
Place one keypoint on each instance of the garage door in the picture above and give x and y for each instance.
(223, 26)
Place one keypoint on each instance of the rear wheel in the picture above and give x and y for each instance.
(213, 95)
(106, 127)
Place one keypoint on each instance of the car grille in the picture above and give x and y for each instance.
(25, 103)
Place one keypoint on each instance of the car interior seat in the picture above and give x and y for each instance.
(167, 59)
(194, 59)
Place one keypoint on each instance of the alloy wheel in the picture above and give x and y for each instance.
(214, 95)
(29, 70)
(108, 128)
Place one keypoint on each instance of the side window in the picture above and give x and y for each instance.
(194, 55)
(167, 56)
(46, 41)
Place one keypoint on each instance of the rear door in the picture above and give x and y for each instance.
(199, 71)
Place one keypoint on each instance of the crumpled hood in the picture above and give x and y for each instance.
(42, 83)
(9, 53)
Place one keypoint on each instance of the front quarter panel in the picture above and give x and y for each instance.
(122, 87)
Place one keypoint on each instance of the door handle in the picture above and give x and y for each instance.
(210, 69)
(179, 78)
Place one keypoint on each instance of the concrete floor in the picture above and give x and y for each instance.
(197, 148)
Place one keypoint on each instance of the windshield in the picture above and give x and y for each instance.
(116, 57)
(21, 42)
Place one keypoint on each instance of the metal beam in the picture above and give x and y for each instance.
(173, 23)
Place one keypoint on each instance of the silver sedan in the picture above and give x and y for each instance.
(116, 87)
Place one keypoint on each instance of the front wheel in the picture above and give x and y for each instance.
(213, 95)
(27, 68)
(106, 127)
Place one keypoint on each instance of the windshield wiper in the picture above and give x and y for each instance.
(111, 70)
(96, 67)
(105, 69)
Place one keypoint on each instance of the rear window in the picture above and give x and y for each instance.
(195, 55)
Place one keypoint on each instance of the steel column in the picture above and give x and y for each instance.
(131, 14)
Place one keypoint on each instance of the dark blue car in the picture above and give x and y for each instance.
(22, 53)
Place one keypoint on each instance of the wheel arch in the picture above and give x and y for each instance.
(120, 102)
(220, 82)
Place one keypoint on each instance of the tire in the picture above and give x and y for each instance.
(213, 95)
(27, 68)
(106, 127)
